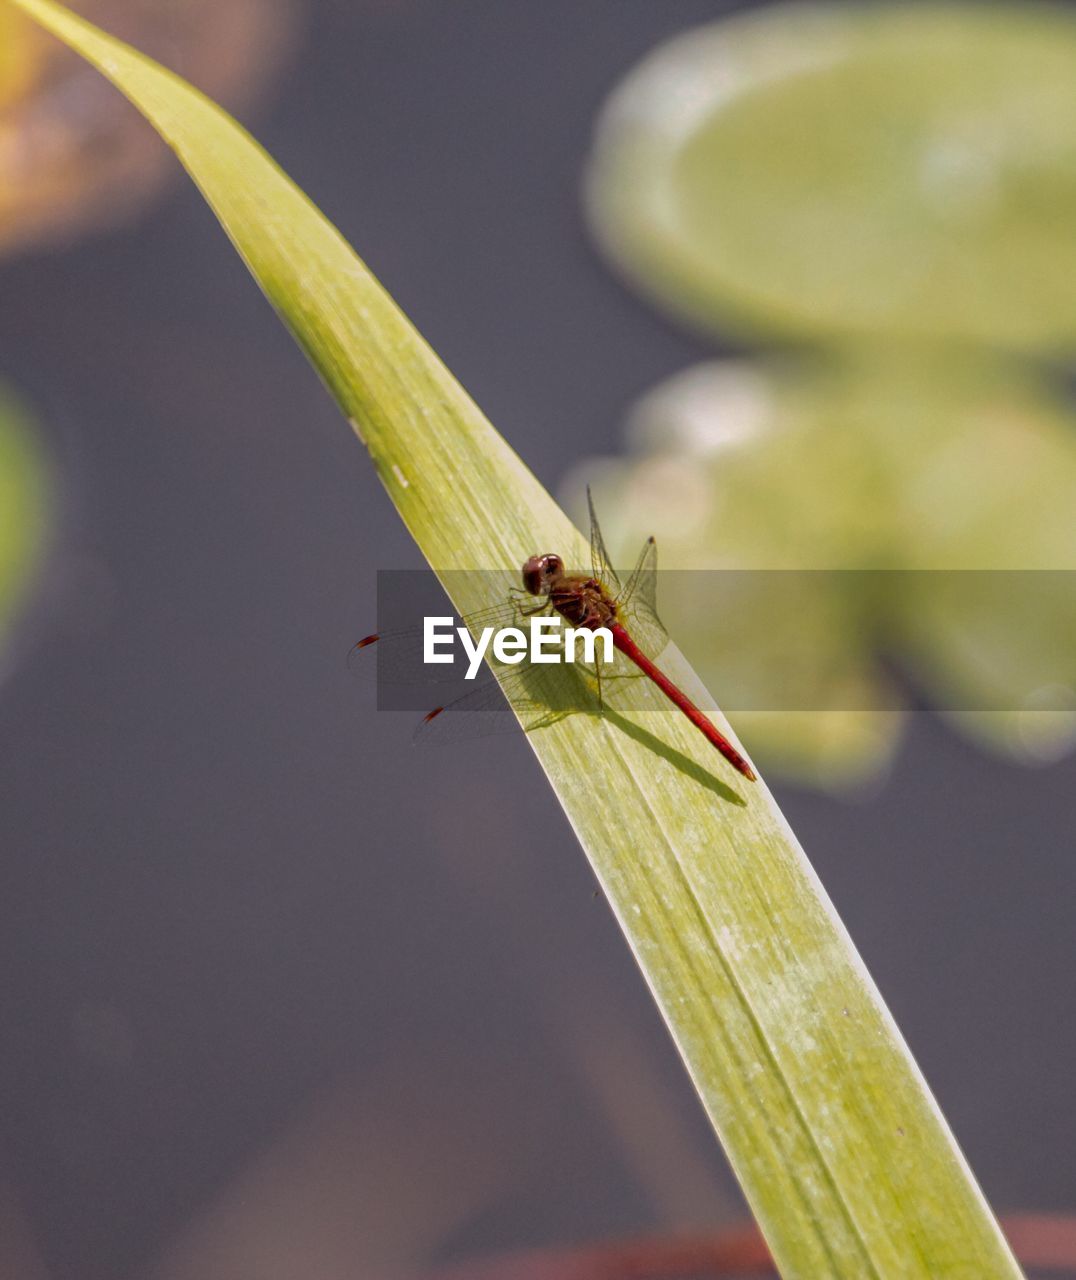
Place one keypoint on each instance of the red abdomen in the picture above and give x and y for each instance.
(679, 699)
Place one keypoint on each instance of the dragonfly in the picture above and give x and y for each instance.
(588, 601)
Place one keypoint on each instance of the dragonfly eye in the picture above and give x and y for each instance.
(539, 572)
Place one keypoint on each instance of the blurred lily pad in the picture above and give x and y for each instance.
(907, 478)
(903, 171)
(23, 509)
(73, 156)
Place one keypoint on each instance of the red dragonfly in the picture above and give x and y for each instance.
(589, 602)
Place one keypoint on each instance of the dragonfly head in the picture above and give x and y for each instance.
(541, 572)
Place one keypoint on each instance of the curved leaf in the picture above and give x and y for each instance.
(832, 1132)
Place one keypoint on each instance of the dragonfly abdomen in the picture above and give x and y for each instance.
(627, 646)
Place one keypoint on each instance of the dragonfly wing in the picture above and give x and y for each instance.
(480, 712)
(637, 602)
(539, 697)
(398, 656)
(600, 565)
(392, 656)
(641, 585)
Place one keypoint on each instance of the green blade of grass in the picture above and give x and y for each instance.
(839, 1146)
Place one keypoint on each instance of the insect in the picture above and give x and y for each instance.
(590, 601)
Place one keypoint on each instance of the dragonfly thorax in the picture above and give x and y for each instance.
(582, 601)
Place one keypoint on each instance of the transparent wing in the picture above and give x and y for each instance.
(480, 712)
(397, 656)
(398, 653)
(637, 602)
(641, 586)
(636, 599)
(539, 698)
(600, 565)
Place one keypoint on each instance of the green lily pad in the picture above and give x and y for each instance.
(903, 171)
(937, 467)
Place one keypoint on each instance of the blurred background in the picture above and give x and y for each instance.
(794, 291)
